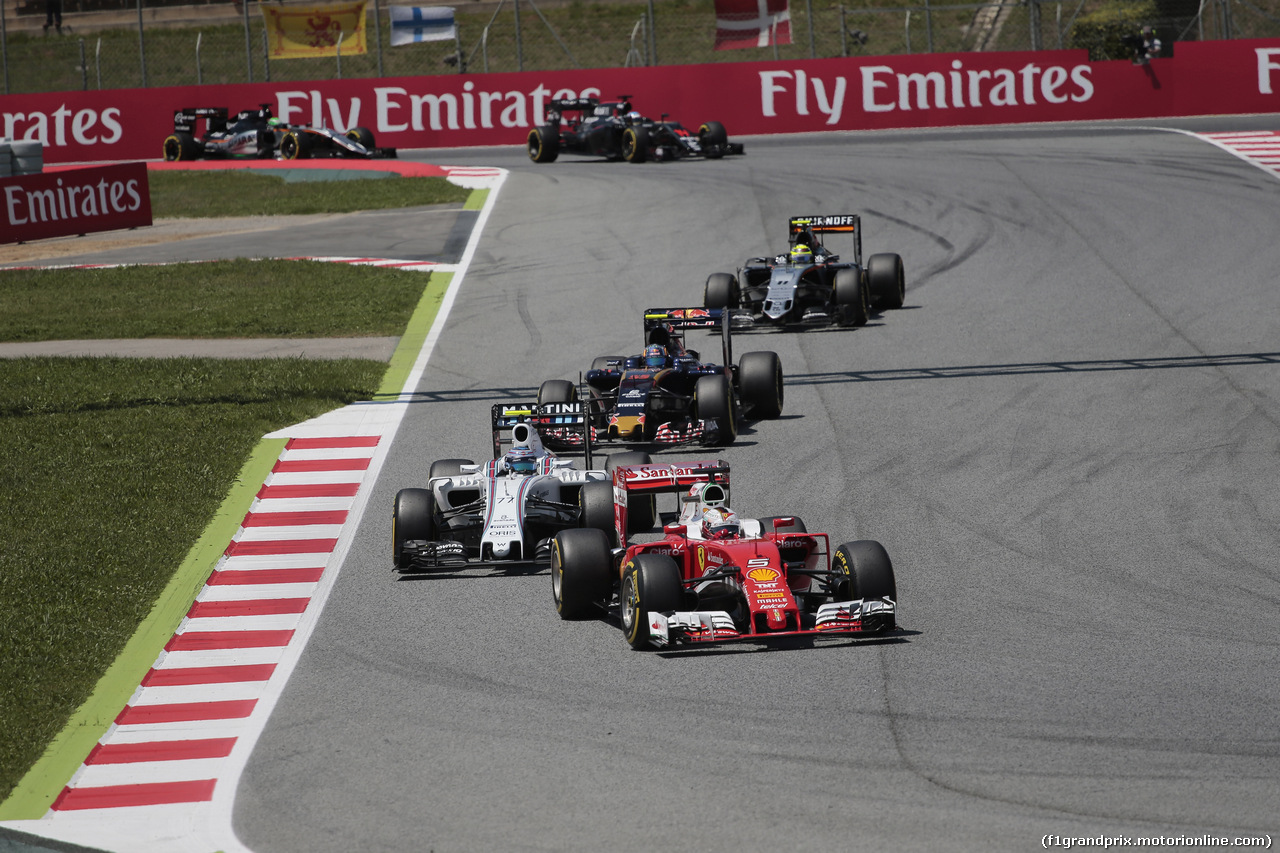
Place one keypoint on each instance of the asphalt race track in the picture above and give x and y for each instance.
(1067, 440)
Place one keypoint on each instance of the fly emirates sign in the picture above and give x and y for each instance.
(862, 93)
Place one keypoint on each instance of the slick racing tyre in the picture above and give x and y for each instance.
(641, 509)
(580, 576)
(296, 145)
(650, 582)
(363, 136)
(181, 146)
(721, 291)
(760, 376)
(713, 139)
(544, 144)
(595, 508)
(852, 304)
(635, 144)
(447, 467)
(713, 400)
(887, 279)
(413, 517)
(557, 391)
(862, 570)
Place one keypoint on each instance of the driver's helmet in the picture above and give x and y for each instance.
(634, 116)
(273, 122)
(720, 523)
(655, 356)
(522, 460)
(801, 254)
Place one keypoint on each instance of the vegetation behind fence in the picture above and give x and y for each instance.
(129, 52)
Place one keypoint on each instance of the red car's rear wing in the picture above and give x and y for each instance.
(661, 479)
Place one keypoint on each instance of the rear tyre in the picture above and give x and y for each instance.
(641, 509)
(595, 503)
(448, 467)
(295, 145)
(557, 391)
(413, 517)
(544, 144)
(361, 135)
(760, 375)
(713, 400)
(852, 305)
(635, 144)
(580, 577)
(649, 582)
(181, 146)
(887, 279)
(863, 570)
(721, 291)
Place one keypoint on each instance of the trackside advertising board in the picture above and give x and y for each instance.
(74, 201)
(863, 93)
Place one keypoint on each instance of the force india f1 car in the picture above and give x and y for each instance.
(739, 580)
(611, 129)
(257, 133)
(504, 512)
(667, 395)
(809, 284)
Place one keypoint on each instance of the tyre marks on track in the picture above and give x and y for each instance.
(1259, 147)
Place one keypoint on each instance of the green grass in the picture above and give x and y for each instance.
(214, 192)
(109, 470)
(241, 298)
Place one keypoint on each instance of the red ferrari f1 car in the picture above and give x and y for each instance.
(714, 577)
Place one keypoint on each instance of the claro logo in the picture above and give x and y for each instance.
(68, 201)
(886, 90)
(81, 127)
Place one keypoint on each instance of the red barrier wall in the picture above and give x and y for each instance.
(74, 201)
(876, 92)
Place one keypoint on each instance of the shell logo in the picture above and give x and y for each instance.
(764, 574)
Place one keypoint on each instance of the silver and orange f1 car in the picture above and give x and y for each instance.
(717, 578)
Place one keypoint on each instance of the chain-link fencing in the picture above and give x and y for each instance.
(110, 44)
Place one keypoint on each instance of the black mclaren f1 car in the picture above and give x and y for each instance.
(614, 131)
(809, 284)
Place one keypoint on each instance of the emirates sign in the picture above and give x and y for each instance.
(74, 201)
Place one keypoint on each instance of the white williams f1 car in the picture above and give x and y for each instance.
(505, 512)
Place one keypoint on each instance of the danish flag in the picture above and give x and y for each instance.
(752, 23)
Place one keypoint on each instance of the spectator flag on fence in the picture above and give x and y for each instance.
(302, 32)
(752, 23)
(411, 24)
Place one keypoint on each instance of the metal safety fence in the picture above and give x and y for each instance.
(110, 44)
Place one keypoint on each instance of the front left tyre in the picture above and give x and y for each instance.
(650, 582)
(635, 144)
(412, 518)
(295, 145)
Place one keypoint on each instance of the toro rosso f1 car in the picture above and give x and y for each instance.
(714, 577)
(257, 133)
(667, 395)
(809, 284)
(614, 131)
(504, 512)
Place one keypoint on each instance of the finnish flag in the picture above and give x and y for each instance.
(410, 24)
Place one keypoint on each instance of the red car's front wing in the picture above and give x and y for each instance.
(840, 618)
